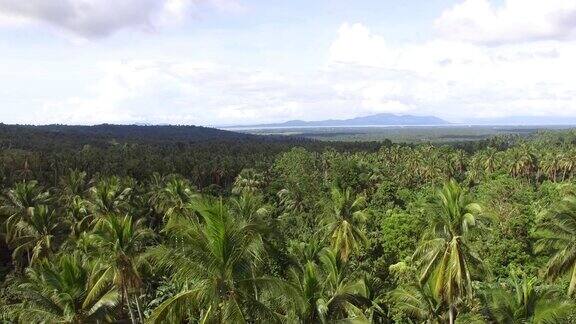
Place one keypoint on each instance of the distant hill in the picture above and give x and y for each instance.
(524, 120)
(127, 132)
(372, 120)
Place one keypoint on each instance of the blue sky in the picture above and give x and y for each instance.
(214, 62)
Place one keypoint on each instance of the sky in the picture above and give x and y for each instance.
(225, 62)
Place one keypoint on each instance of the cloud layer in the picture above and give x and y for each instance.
(485, 61)
(101, 18)
(480, 21)
(457, 78)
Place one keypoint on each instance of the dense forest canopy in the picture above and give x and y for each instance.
(175, 224)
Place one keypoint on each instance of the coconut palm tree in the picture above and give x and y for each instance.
(521, 300)
(567, 164)
(344, 220)
(550, 164)
(74, 184)
(215, 262)
(444, 256)
(65, 290)
(291, 202)
(326, 291)
(36, 235)
(249, 207)
(174, 197)
(376, 294)
(524, 162)
(418, 301)
(78, 216)
(303, 252)
(247, 181)
(120, 242)
(109, 196)
(22, 196)
(558, 235)
(457, 163)
(490, 160)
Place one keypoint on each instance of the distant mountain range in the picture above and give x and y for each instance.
(372, 120)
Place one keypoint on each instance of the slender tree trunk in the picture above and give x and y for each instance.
(140, 315)
(129, 307)
(451, 315)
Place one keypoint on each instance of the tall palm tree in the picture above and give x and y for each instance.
(418, 301)
(109, 196)
(215, 262)
(249, 207)
(490, 160)
(444, 256)
(120, 241)
(35, 235)
(457, 163)
(22, 196)
(326, 291)
(475, 171)
(66, 290)
(78, 216)
(558, 235)
(74, 184)
(291, 202)
(521, 300)
(248, 180)
(173, 197)
(550, 165)
(524, 162)
(567, 164)
(344, 221)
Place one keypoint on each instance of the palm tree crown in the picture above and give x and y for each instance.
(68, 290)
(344, 221)
(214, 260)
(444, 255)
(558, 234)
(520, 300)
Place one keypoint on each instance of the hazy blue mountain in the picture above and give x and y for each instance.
(372, 120)
(525, 120)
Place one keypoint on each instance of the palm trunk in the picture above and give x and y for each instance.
(132, 319)
(451, 315)
(140, 315)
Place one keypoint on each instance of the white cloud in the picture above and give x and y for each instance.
(355, 44)
(101, 18)
(451, 79)
(514, 21)
(454, 79)
(531, 71)
(187, 92)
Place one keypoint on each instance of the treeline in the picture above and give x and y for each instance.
(208, 157)
(480, 232)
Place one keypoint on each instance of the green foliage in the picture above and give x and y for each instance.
(522, 299)
(67, 290)
(344, 219)
(397, 232)
(509, 203)
(111, 224)
(557, 234)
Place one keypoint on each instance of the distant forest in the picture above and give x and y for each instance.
(183, 224)
(208, 157)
